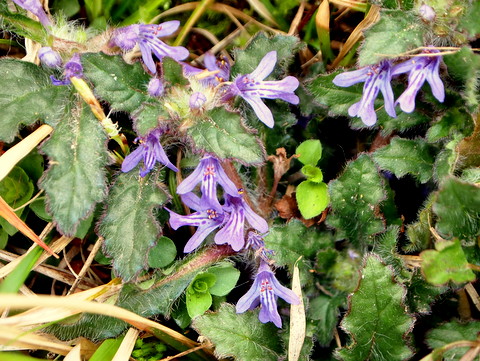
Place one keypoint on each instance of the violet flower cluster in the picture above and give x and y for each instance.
(230, 220)
(149, 151)
(377, 79)
(147, 37)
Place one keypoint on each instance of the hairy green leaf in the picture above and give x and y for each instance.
(223, 134)
(233, 335)
(377, 319)
(149, 116)
(451, 332)
(354, 198)
(458, 209)
(324, 310)
(129, 226)
(406, 156)
(75, 180)
(293, 240)
(446, 263)
(469, 20)
(122, 85)
(247, 60)
(173, 72)
(26, 96)
(396, 32)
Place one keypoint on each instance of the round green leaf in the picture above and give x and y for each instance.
(226, 278)
(312, 198)
(310, 152)
(163, 253)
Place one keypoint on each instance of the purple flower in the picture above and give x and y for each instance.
(377, 78)
(73, 68)
(147, 37)
(209, 172)
(155, 87)
(206, 221)
(220, 69)
(252, 88)
(265, 291)
(255, 241)
(215, 72)
(49, 57)
(233, 231)
(151, 151)
(421, 69)
(36, 8)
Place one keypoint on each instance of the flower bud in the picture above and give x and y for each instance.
(197, 100)
(155, 87)
(49, 57)
(427, 13)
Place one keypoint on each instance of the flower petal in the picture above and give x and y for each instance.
(283, 292)
(269, 313)
(147, 55)
(436, 84)
(261, 110)
(265, 67)
(133, 159)
(199, 236)
(254, 219)
(191, 200)
(351, 77)
(232, 231)
(167, 28)
(189, 183)
(161, 156)
(248, 299)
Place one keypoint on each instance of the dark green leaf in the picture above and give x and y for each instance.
(223, 134)
(163, 253)
(148, 117)
(312, 198)
(446, 263)
(421, 294)
(458, 209)
(39, 208)
(406, 156)
(464, 66)
(354, 198)
(452, 332)
(226, 278)
(26, 96)
(455, 120)
(324, 311)
(310, 152)
(173, 72)
(377, 319)
(129, 226)
(293, 240)
(247, 60)
(75, 180)
(122, 85)
(233, 335)
(396, 32)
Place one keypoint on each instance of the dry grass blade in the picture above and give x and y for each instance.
(86, 265)
(262, 10)
(126, 347)
(75, 354)
(297, 319)
(15, 154)
(12, 336)
(22, 302)
(370, 19)
(39, 315)
(221, 8)
(297, 19)
(7, 212)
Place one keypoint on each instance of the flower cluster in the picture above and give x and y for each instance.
(264, 292)
(210, 214)
(73, 68)
(150, 151)
(252, 88)
(377, 78)
(230, 220)
(147, 37)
